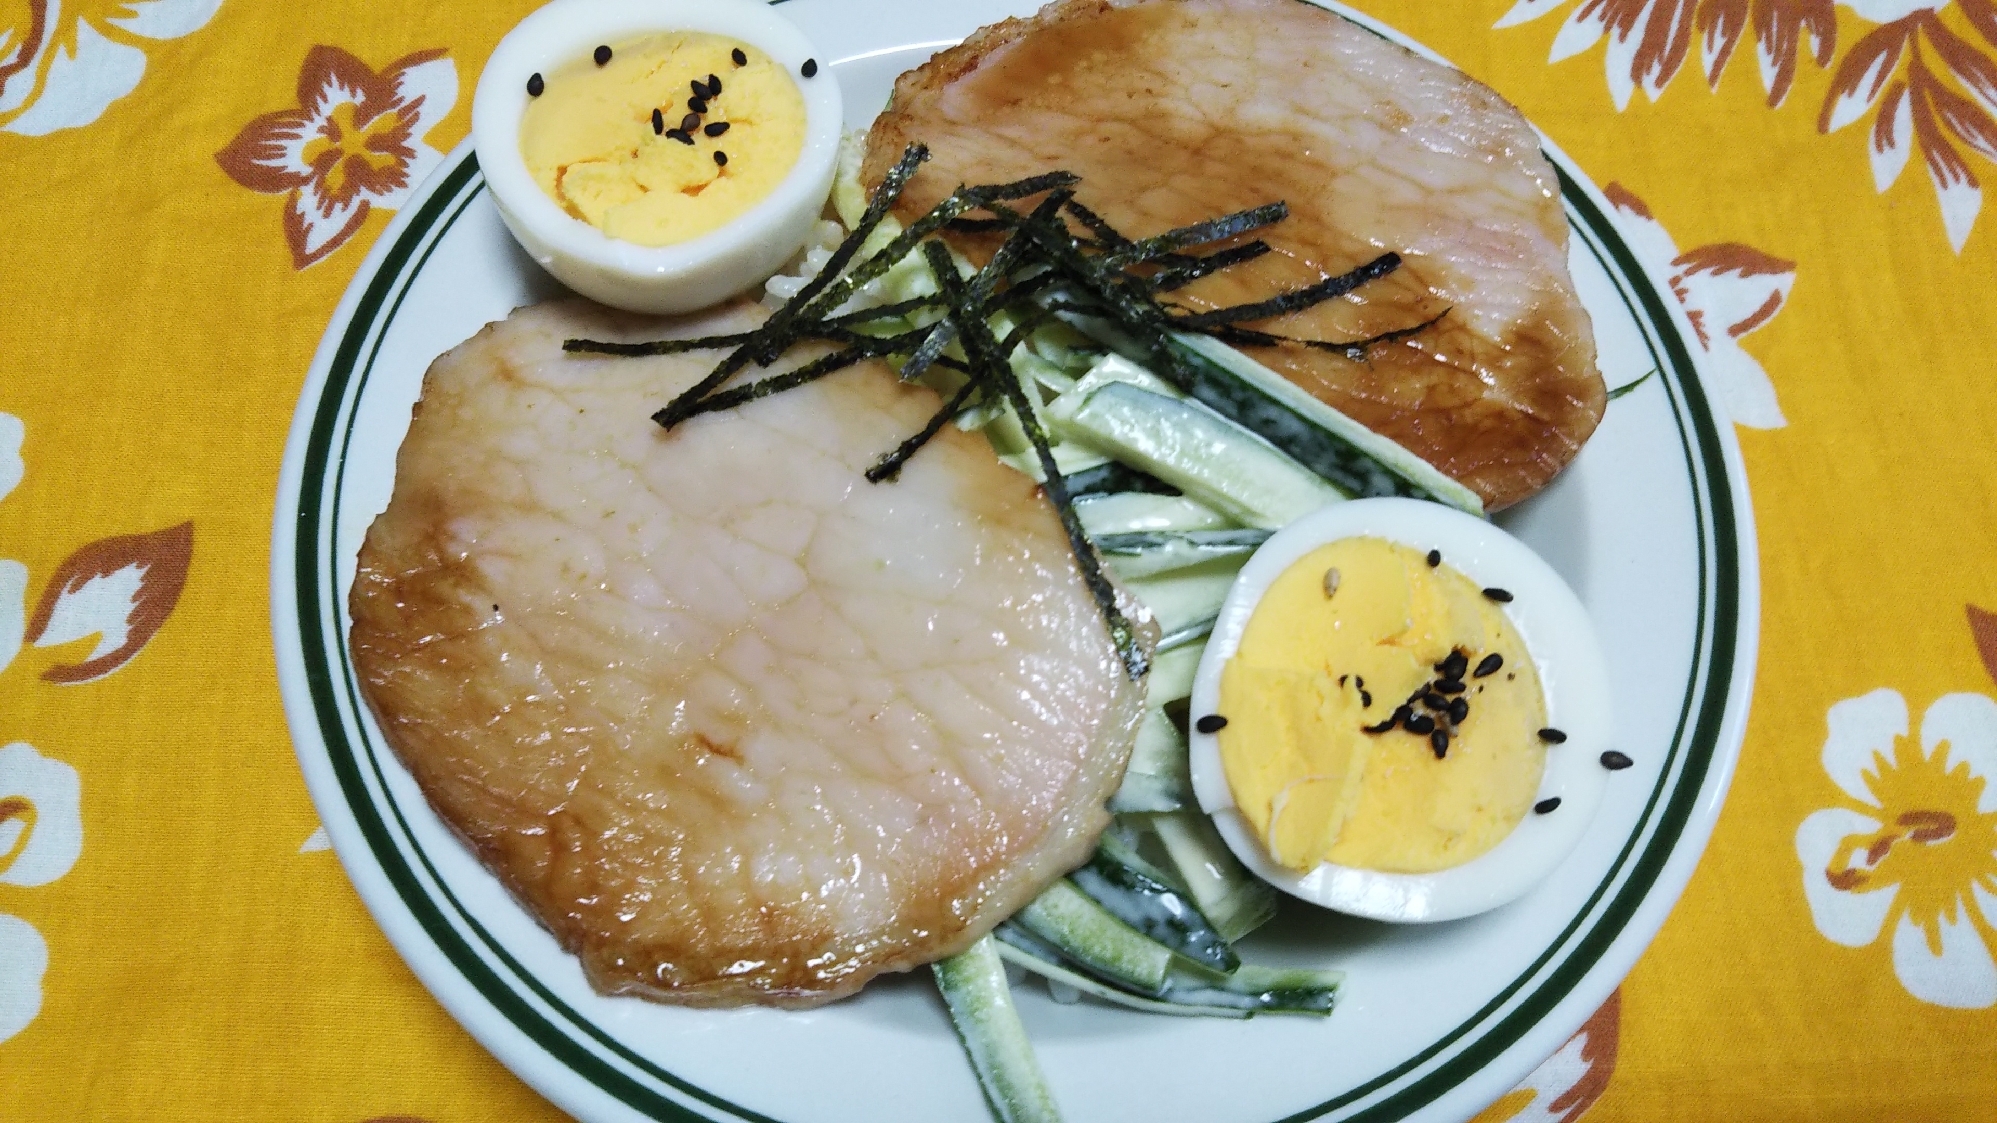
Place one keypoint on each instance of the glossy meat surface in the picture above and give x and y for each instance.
(735, 724)
(1174, 111)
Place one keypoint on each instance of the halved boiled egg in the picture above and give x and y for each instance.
(657, 155)
(1402, 713)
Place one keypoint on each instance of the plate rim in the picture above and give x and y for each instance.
(1692, 808)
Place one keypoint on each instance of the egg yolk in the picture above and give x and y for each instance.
(634, 149)
(1385, 718)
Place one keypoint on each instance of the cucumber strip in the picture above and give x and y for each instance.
(1089, 934)
(1172, 677)
(1113, 477)
(1249, 991)
(1195, 449)
(1360, 461)
(1051, 970)
(1186, 636)
(1155, 910)
(974, 987)
(1158, 778)
(1115, 368)
(1144, 793)
(1262, 990)
(1232, 898)
(1337, 448)
(1185, 601)
(1133, 511)
(1146, 552)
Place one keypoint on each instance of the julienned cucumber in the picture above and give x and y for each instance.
(1156, 910)
(974, 987)
(1232, 898)
(1045, 962)
(1086, 932)
(1357, 460)
(1195, 449)
(1158, 777)
(1248, 991)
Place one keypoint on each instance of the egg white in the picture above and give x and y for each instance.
(677, 278)
(1557, 632)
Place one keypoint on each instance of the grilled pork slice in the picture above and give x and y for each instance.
(735, 724)
(1174, 111)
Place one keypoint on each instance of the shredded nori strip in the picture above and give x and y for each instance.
(982, 349)
(1199, 234)
(889, 466)
(1355, 349)
(1180, 276)
(1327, 289)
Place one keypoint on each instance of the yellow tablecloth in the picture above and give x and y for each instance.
(190, 184)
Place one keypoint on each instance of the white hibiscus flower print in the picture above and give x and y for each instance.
(41, 836)
(63, 62)
(1913, 849)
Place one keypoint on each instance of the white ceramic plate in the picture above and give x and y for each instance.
(1651, 526)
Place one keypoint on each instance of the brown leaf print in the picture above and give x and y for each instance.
(1600, 1036)
(120, 589)
(1570, 1081)
(1983, 629)
(1780, 26)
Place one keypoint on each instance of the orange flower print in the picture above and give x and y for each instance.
(1727, 290)
(1562, 1089)
(63, 62)
(1650, 40)
(1927, 88)
(354, 143)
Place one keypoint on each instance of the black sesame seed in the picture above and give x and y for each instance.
(1449, 686)
(809, 69)
(1434, 558)
(1393, 719)
(1421, 725)
(700, 89)
(1552, 736)
(1615, 761)
(1359, 681)
(716, 129)
(1459, 710)
(1342, 678)
(1546, 806)
(1212, 723)
(740, 58)
(690, 122)
(1488, 665)
(1499, 595)
(1434, 701)
(1365, 700)
(658, 122)
(695, 105)
(602, 55)
(1453, 665)
(1439, 742)
(679, 136)
(713, 86)
(720, 158)
(535, 85)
